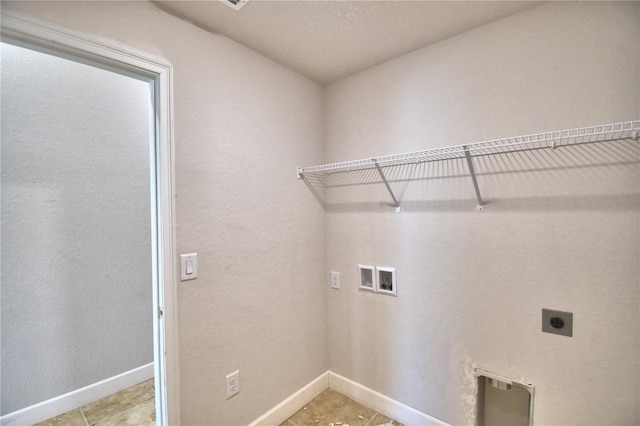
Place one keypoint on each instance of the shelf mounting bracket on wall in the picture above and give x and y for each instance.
(396, 204)
(480, 205)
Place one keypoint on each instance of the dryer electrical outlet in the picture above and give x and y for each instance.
(557, 322)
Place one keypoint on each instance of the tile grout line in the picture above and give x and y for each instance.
(371, 419)
(371, 423)
(86, 422)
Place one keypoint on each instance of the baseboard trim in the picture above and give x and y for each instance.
(381, 403)
(281, 412)
(70, 401)
(372, 399)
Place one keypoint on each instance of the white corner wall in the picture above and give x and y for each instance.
(76, 226)
(563, 235)
(242, 125)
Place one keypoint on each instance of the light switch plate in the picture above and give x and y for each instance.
(188, 266)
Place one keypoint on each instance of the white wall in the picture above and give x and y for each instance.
(242, 125)
(563, 235)
(76, 234)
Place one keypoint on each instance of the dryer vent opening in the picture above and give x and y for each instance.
(235, 4)
(502, 401)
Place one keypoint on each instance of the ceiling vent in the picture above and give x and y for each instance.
(236, 4)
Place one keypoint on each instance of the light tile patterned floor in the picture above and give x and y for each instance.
(331, 408)
(133, 406)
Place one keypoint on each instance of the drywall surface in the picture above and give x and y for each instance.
(242, 125)
(560, 228)
(76, 226)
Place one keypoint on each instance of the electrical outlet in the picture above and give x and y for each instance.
(557, 322)
(233, 383)
(335, 280)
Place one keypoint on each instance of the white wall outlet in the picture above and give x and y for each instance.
(233, 383)
(188, 266)
(335, 280)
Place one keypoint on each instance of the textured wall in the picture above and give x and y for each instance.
(242, 125)
(76, 237)
(563, 234)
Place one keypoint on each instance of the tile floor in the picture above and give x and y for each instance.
(133, 406)
(331, 408)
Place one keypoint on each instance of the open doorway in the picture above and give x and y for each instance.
(87, 233)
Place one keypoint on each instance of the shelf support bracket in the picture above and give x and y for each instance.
(480, 206)
(396, 204)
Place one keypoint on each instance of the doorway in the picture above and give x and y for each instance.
(87, 226)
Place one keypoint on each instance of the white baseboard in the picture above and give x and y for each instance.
(77, 398)
(281, 412)
(372, 399)
(381, 403)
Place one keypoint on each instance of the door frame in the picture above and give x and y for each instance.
(35, 35)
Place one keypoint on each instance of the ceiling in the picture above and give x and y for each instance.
(328, 40)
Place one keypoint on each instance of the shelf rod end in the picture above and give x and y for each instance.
(634, 135)
(299, 172)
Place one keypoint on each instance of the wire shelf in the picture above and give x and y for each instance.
(555, 139)
(582, 135)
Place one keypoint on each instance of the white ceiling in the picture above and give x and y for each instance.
(328, 40)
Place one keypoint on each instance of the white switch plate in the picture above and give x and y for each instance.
(188, 266)
(233, 383)
(335, 280)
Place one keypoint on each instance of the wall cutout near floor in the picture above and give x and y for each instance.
(502, 401)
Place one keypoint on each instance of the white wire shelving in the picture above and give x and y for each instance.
(547, 140)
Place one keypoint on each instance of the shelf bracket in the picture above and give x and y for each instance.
(480, 206)
(396, 204)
